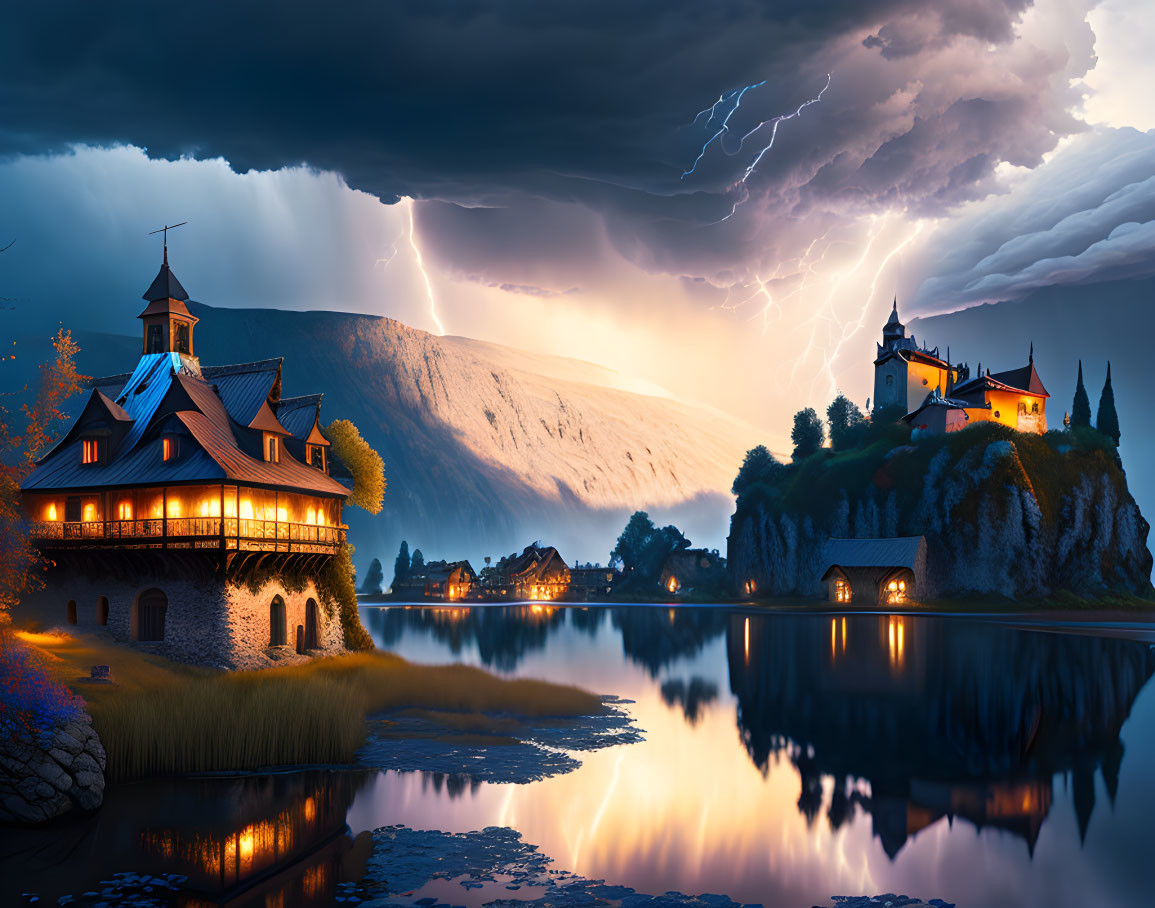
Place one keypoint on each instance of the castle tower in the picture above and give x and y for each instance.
(168, 325)
(893, 331)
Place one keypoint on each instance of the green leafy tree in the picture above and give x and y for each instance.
(847, 424)
(417, 562)
(373, 578)
(633, 541)
(363, 463)
(759, 466)
(807, 433)
(1107, 420)
(401, 564)
(1081, 407)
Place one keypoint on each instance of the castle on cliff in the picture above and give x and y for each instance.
(940, 396)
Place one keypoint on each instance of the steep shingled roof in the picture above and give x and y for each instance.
(900, 551)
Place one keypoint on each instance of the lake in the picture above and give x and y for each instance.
(787, 759)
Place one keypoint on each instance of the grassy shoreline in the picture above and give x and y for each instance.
(161, 718)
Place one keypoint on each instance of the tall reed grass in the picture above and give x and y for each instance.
(312, 713)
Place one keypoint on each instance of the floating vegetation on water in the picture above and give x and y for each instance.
(523, 751)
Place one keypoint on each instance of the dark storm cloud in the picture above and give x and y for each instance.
(485, 104)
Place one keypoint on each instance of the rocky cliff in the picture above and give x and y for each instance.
(1003, 514)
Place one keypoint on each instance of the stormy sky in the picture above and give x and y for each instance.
(518, 171)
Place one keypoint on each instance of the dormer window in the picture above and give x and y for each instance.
(90, 450)
(272, 448)
(316, 456)
(170, 447)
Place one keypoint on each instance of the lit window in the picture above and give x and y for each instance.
(896, 592)
(50, 514)
(169, 447)
(124, 510)
(89, 513)
(181, 340)
(89, 450)
(841, 590)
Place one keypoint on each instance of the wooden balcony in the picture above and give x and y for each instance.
(227, 534)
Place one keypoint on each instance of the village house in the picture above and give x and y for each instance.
(450, 580)
(538, 573)
(188, 509)
(939, 396)
(874, 571)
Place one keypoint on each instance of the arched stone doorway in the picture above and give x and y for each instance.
(312, 633)
(102, 611)
(278, 635)
(70, 611)
(151, 607)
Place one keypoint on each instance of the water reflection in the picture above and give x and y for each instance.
(253, 840)
(900, 719)
(915, 719)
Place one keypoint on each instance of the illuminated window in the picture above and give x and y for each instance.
(89, 513)
(170, 447)
(90, 450)
(272, 449)
(124, 510)
(896, 592)
(841, 590)
(50, 512)
(180, 342)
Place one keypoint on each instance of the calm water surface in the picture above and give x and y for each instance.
(787, 759)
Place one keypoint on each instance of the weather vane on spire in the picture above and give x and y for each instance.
(165, 229)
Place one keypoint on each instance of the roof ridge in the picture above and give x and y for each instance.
(260, 365)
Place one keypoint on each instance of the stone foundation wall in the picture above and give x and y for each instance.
(250, 628)
(210, 623)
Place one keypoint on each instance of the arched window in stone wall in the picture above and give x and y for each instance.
(312, 630)
(70, 611)
(277, 633)
(151, 607)
(102, 610)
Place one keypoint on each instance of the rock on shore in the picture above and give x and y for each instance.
(51, 775)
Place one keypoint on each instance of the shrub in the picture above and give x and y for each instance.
(31, 702)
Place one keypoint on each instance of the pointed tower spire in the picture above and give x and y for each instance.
(1031, 358)
(1081, 406)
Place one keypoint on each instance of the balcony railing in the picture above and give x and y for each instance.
(227, 533)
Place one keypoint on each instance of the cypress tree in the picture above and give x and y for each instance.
(1081, 408)
(401, 565)
(1107, 420)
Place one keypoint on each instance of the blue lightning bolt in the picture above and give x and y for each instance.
(774, 130)
(736, 96)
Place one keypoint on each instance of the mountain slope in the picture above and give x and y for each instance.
(486, 449)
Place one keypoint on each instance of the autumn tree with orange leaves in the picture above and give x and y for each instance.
(24, 437)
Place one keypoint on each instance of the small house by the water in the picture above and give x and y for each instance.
(686, 569)
(590, 582)
(874, 571)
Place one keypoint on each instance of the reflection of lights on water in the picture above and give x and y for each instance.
(310, 809)
(746, 635)
(896, 641)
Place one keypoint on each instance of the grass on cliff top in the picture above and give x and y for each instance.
(161, 718)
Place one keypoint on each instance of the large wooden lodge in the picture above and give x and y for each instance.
(177, 491)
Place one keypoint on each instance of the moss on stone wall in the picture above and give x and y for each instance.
(335, 583)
